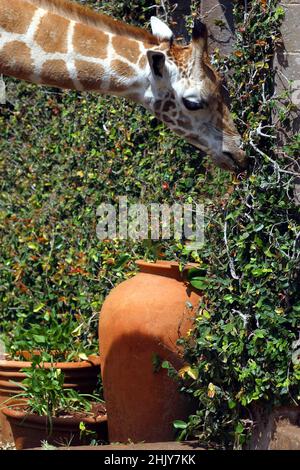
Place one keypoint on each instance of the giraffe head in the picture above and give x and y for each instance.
(186, 94)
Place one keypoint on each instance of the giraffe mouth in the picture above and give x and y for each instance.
(227, 162)
(231, 163)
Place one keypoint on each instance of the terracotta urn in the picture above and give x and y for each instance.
(140, 322)
(82, 376)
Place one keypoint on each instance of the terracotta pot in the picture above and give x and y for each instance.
(30, 430)
(81, 376)
(142, 318)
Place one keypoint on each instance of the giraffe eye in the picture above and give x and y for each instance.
(194, 105)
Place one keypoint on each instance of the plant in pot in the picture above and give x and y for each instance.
(60, 345)
(47, 411)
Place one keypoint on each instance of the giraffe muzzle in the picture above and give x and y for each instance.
(234, 161)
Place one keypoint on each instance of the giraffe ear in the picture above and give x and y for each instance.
(160, 29)
(157, 62)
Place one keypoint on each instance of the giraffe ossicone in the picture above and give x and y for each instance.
(160, 29)
(60, 43)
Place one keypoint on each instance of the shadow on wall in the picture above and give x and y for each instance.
(220, 19)
(227, 8)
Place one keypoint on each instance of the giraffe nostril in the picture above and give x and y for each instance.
(239, 160)
(229, 156)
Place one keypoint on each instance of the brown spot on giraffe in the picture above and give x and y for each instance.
(16, 61)
(157, 105)
(180, 55)
(90, 41)
(168, 119)
(14, 18)
(54, 73)
(179, 131)
(184, 123)
(143, 62)
(123, 71)
(127, 48)
(168, 105)
(193, 137)
(89, 75)
(51, 34)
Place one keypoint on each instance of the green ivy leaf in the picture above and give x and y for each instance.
(38, 307)
(178, 424)
(232, 404)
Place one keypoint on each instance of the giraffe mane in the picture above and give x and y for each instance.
(76, 12)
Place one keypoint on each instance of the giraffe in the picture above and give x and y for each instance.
(63, 44)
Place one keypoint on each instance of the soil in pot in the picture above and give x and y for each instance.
(81, 376)
(30, 430)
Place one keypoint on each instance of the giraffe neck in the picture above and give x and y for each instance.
(51, 48)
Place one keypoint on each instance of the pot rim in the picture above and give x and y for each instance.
(93, 361)
(165, 268)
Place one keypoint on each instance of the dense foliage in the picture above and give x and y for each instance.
(64, 153)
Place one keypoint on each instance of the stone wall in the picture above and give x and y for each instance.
(287, 62)
(287, 65)
(276, 430)
(220, 10)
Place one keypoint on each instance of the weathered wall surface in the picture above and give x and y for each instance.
(278, 430)
(222, 38)
(287, 62)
